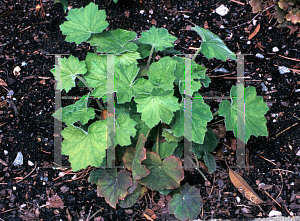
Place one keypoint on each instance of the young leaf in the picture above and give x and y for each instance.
(76, 112)
(163, 175)
(124, 129)
(84, 148)
(113, 186)
(162, 73)
(69, 69)
(165, 149)
(124, 81)
(82, 22)
(255, 109)
(116, 41)
(186, 204)
(157, 106)
(132, 198)
(201, 114)
(293, 16)
(213, 46)
(159, 38)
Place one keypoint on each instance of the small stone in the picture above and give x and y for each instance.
(19, 159)
(30, 163)
(275, 213)
(151, 11)
(283, 70)
(222, 10)
(5, 152)
(142, 11)
(238, 199)
(297, 90)
(264, 88)
(223, 70)
(248, 42)
(259, 55)
(186, 16)
(275, 49)
(298, 153)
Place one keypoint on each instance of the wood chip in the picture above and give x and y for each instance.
(255, 31)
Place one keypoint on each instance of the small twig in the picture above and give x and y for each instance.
(293, 59)
(241, 3)
(283, 170)
(285, 130)
(27, 174)
(2, 162)
(248, 22)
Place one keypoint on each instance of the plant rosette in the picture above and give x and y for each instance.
(149, 111)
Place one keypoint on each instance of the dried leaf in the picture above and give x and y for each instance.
(243, 187)
(255, 31)
(293, 28)
(206, 25)
(256, 5)
(55, 202)
(3, 103)
(2, 83)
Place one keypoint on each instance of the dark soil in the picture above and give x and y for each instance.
(26, 36)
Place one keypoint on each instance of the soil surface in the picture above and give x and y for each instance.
(27, 126)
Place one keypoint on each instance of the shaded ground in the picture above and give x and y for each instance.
(26, 36)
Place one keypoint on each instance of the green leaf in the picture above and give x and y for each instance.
(138, 170)
(69, 69)
(97, 78)
(213, 46)
(116, 41)
(165, 149)
(82, 22)
(162, 73)
(113, 186)
(84, 148)
(165, 174)
(132, 198)
(210, 162)
(157, 106)
(127, 58)
(255, 109)
(96, 174)
(205, 81)
(76, 112)
(210, 142)
(198, 72)
(159, 38)
(186, 204)
(124, 129)
(169, 135)
(64, 4)
(141, 126)
(124, 81)
(143, 86)
(201, 114)
(143, 49)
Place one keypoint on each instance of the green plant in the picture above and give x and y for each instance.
(287, 11)
(149, 111)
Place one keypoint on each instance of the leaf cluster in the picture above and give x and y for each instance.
(150, 120)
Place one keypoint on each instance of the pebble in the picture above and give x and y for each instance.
(248, 42)
(297, 90)
(275, 49)
(264, 88)
(222, 10)
(221, 70)
(151, 11)
(5, 152)
(19, 159)
(142, 11)
(30, 163)
(258, 55)
(298, 153)
(283, 70)
(275, 213)
(186, 16)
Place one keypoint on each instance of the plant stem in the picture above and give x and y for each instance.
(98, 117)
(215, 122)
(157, 140)
(195, 55)
(149, 59)
(196, 167)
(91, 90)
(215, 114)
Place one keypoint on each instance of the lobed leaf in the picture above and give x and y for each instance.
(82, 22)
(255, 109)
(85, 148)
(124, 129)
(213, 46)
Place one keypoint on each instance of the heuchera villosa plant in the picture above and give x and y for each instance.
(149, 111)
